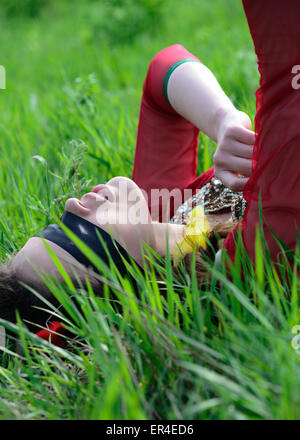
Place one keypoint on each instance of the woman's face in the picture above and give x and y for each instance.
(119, 207)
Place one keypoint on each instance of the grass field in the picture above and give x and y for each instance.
(74, 77)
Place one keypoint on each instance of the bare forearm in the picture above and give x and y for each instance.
(195, 94)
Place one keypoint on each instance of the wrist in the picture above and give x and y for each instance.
(229, 117)
(223, 117)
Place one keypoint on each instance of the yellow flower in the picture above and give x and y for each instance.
(195, 230)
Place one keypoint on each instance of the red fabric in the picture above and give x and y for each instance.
(275, 30)
(166, 150)
(167, 144)
(201, 180)
(52, 334)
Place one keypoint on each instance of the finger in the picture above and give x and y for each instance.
(232, 181)
(233, 163)
(239, 165)
(241, 150)
(245, 136)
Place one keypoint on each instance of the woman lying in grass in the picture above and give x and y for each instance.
(180, 97)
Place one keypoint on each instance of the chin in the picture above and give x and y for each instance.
(75, 206)
(71, 205)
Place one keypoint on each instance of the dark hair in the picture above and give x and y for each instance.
(15, 296)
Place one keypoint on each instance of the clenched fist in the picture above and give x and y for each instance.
(233, 156)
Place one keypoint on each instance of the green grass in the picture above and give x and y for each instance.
(180, 352)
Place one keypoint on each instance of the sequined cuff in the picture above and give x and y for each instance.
(238, 208)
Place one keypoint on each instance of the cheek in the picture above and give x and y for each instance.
(105, 213)
(122, 213)
(138, 212)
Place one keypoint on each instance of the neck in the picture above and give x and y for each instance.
(167, 233)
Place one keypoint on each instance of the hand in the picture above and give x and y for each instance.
(233, 155)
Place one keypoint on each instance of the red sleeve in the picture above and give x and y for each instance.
(158, 70)
(202, 179)
(275, 30)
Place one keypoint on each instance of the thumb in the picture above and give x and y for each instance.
(245, 120)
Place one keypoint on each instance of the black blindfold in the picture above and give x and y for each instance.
(86, 231)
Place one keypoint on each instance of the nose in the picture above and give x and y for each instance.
(98, 187)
